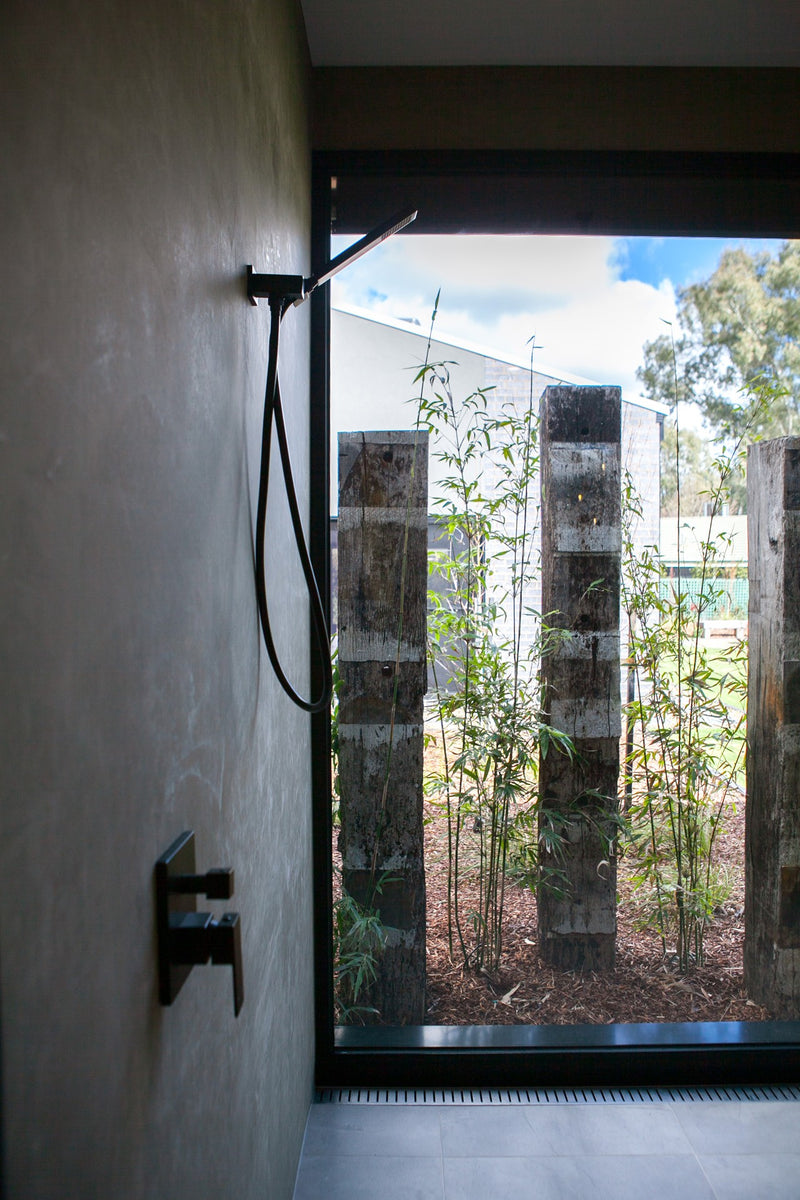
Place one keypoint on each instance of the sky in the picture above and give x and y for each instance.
(590, 302)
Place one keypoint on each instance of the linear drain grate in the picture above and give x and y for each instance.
(643, 1095)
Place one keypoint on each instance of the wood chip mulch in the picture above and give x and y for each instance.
(644, 985)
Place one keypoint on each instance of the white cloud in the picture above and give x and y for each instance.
(499, 291)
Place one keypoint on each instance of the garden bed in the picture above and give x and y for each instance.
(644, 985)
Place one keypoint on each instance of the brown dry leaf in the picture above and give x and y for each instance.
(507, 998)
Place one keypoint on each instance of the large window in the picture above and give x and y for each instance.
(623, 195)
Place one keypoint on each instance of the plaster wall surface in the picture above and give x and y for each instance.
(151, 151)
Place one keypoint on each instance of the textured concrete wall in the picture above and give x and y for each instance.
(152, 150)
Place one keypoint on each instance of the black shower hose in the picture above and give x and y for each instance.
(273, 411)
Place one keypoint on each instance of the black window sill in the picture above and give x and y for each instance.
(734, 1052)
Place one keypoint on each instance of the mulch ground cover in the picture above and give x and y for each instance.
(644, 985)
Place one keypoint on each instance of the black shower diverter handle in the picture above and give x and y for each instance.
(194, 938)
(187, 938)
(225, 938)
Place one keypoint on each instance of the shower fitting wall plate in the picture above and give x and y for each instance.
(179, 859)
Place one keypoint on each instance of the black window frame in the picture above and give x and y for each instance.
(619, 193)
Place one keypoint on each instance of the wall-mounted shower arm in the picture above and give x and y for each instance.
(377, 235)
(294, 289)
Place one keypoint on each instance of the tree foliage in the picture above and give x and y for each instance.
(739, 327)
(688, 459)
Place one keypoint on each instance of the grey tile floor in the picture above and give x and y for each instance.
(682, 1150)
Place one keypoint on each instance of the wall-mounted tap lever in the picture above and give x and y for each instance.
(216, 884)
(225, 940)
(187, 938)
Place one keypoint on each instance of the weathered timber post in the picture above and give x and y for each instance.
(383, 573)
(772, 822)
(581, 547)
